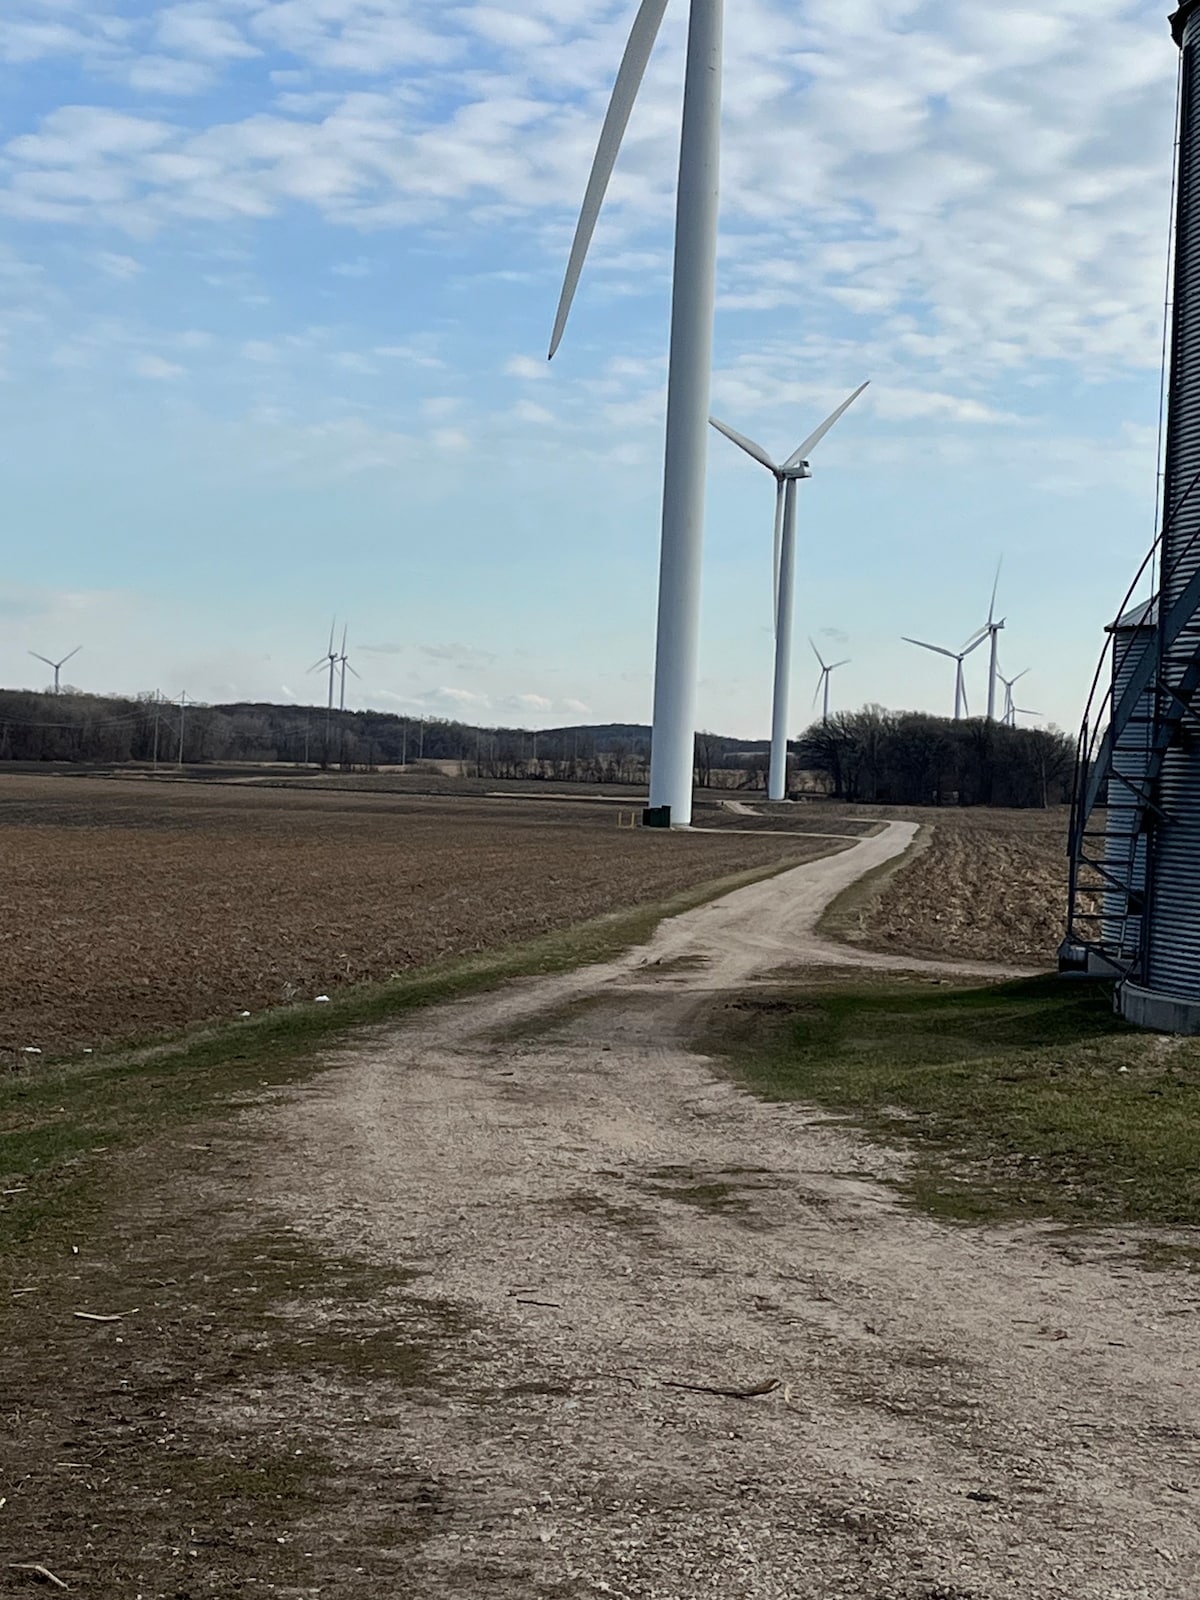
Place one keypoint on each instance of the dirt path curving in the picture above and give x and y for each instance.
(943, 1413)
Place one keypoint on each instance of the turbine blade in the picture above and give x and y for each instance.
(37, 657)
(925, 646)
(74, 652)
(965, 701)
(355, 671)
(820, 686)
(973, 644)
(319, 663)
(995, 586)
(838, 664)
(332, 626)
(748, 445)
(629, 81)
(345, 631)
(801, 453)
(817, 653)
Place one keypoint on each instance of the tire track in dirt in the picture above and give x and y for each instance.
(960, 1414)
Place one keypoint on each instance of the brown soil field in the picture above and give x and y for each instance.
(130, 909)
(981, 885)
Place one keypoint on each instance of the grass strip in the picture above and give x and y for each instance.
(1016, 1100)
(60, 1124)
(848, 915)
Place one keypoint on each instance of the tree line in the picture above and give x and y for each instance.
(145, 729)
(909, 758)
(902, 758)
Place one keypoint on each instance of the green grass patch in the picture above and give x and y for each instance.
(62, 1124)
(1024, 1099)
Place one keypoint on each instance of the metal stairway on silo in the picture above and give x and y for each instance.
(1107, 884)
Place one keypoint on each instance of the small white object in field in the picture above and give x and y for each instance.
(87, 1050)
(1122, 1069)
(243, 1013)
(32, 1050)
(322, 1000)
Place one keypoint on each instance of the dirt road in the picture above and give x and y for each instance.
(948, 1413)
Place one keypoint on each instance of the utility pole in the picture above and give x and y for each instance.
(421, 742)
(154, 758)
(182, 716)
(404, 741)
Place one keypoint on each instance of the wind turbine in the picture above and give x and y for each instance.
(1009, 718)
(991, 630)
(693, 299)
(57, 665)
(330, 656)
(786, 476)
(960, 687)
(344, 662)
(827, 671)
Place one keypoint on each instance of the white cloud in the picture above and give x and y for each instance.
(451, 439)
(462, 698)
(118, 266)
(527, 368)
(198, 29)
(538, 416)
(155, 74)
(952, 185)
(156, 367)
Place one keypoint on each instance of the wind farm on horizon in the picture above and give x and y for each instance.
(689, 422)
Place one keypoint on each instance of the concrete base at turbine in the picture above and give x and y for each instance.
(1162, 1013)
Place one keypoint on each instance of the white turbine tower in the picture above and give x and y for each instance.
(827, 672)
(959, 656)
(692, 303)
(57, 665)
(786, 476)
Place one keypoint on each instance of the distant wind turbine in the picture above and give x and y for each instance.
(331, 657)
(827, 671)
(57, 665)
(991, 631)
(959, 656)
(344, 662)
(786, 476)
(690, 373)
(1009, 718)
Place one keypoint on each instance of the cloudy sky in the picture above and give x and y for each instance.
(277, 278)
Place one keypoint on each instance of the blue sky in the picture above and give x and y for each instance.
(277, 278)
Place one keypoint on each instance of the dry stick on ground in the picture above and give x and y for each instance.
(768, 1386)
(38, 1570)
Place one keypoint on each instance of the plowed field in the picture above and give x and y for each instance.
(133, 908)
(987, 885)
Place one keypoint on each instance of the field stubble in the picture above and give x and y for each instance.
(981, 884)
